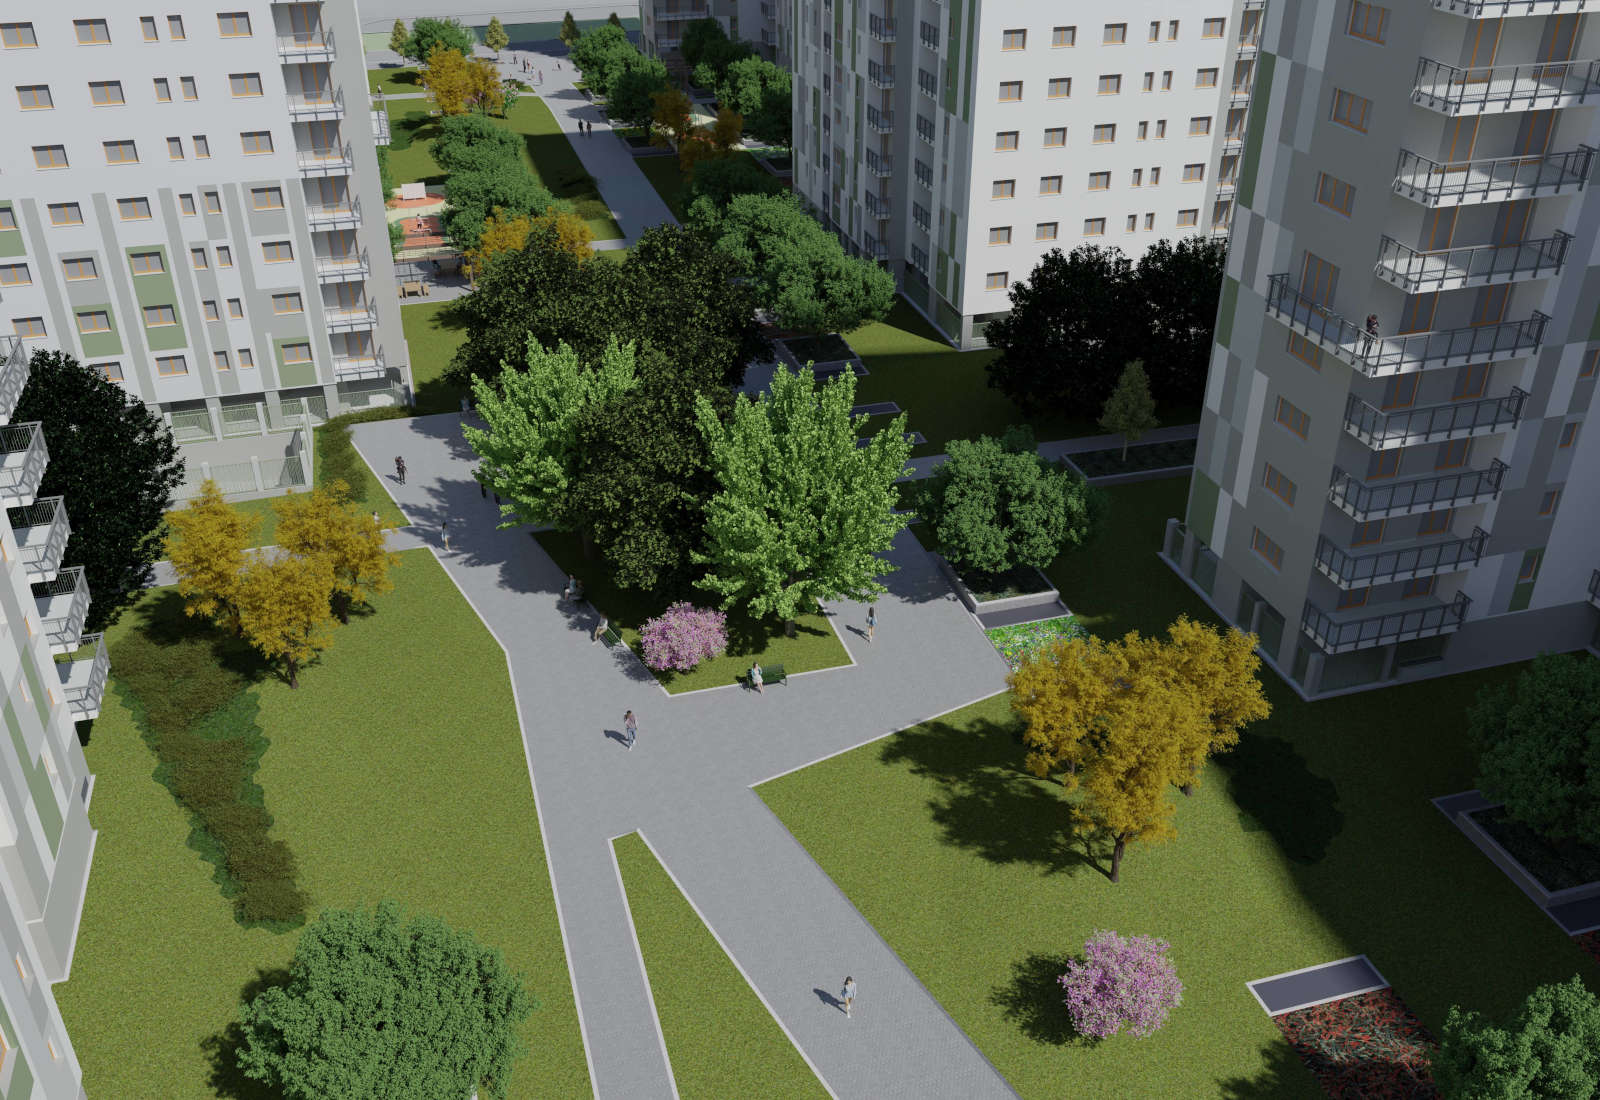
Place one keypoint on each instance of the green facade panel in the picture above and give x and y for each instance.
(11, 239)
(98, 345)
(294, 374)
(158, 290)
(1202, 514)
(1227, 302)
(40, 789)
(1256, 127)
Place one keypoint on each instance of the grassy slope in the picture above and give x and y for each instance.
(416, 791)
(746, 1053)
(1312, 841)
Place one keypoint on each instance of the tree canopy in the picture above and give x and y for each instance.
(428, 34)
(632, 99)
(114, 463)
(400, 39)
(206, 547)
(283, 606)
(761, 92)
(708, 51)
(325, 523)
(719, 179)
(471, 143)
(602, 55)
(459, 83)
(1130, 411)
(569, 32)
(507, 188)
(1177, 286)
(1551, 1048)
(495, 36)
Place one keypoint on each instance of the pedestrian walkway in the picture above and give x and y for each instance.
(686, 788)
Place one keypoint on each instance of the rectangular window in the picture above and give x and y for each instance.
(1369, 21)
(1003, 189)
(219, 359)
(286, 303)
(233, 24)
(1355, 597)
(244, 84)
(297, 353)
(160, 316)
(1046, 231)
(1104, 132)
(277, 252)
(1400, 392)
(235, 309)
(1335, 194)
(133, 209)
(49, 156)
(94, 322)
(1305, 350)
(163, 90)
(170, 366)
(1155, 30)
(1451, 454)
(1000, 234)
(1470, 381)
(224, 256)
(175, 27)
(1150, 221)
(186, 85)
(80, 268)
(1530, 565)
(1005, 141)
(1188, 218)
(1110, 84)
(1350, 110)
(1094, 227)
(146, 263)
(147, 27)
(1365, 534)
(1144, 131)
(197, 259)
(92, 32)
(1212, 28)
(1277, 484)
(15, 275)
(17, 36)
(1115, 34)
(35, 97)
(202, 147)
(121, 152)
(1547, 503)
(1416, 587)
(1049, 185)
(106, 93)
(1292, 418)
(247, 358)
(212, 312)
(1172, 31)
(996, 280)
(1060, 87)
(1205, 78)
(186, 204)
(1099, 181)
(1014, 40)
(1149, 84)
(174, 148)
(213, 202)
(1010, 91)
(1569, 434)
(1166, 80)
(1132, 224)
(1155, 177)
(266, 198)
(1436, 522)
(1267, 548)
(1137, 178)
(256, 142)
(1199, 125)
(65, 213)
(111, 372)
(1194, 173)
(1063, 36)
(1055, 137)
(29, 328)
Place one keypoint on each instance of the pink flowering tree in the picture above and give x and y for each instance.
(683, 636)
(1122, 982)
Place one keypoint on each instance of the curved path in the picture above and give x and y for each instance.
(686, 788)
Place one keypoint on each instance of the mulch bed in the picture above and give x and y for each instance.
(1366, 1047)
(1590, 942)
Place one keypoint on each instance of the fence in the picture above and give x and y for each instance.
(192, 424)
(258, 475)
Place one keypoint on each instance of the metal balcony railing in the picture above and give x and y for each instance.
(1349, 570)
(879, 207)
(1381, 356)
(334, 215)
(359, 366)
(331, 161)
(1500, 9)
(63, 605)
(880, 29)
(351, 320)
(881, 122)
(380, 123)
(1365, 503)
(1383, 430)
(1501, 89)
(1473, 265)
(880, 165)
(1344, 635)
(23, 457)
(666, 15)
(83, 677)
(314, 45)
(1491, 179)
(880, 76)
(305, 106)
(13, 374)
(42, 531)
(342, 269)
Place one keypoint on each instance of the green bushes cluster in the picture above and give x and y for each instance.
(336, 455)
(487, 174)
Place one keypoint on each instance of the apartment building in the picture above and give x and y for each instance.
(189, 201)
(958, 143)
(1395, 478)
(754, 21)
(46, 842)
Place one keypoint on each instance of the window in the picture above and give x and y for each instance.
(65, 213)
(80, 268)
(1055, 137)
(163, 90)
(170, 366)
(28, 328)
(1046, 231)
(213, 202)
(1138, 177)
(1400, 392)
(1132, 224)
(49, 156)
(1010, 91)
(15, 275)
(1451, 454)
(197, 259)
(146, 263)
(1060, 87)
(35, 97)
(1205, 78)
(1292, 418)
(186, 85)
(224, 256)
(1110, 84)
(1350, 110)
(1003, 189)
(174, 148)
(1366, 534)
(160, 316)
(186, 204)
(17, 36)
(1155, 177)
(1591, 363)
(1115, 34)
(1014, 40)
(1049, 185)
(1355, 597)
(1063, 36)
(202, 147)
(1104, 132)
(1547, 503)
(121, 152)
(1335, 194)
(212, 312)
(1099, 181)
(8, 218)
(996, 280)
(1417, 586)
(1144, 131)
(1367, 21)
(133, 209)
(1155, 30)
(1194, 173)
(297, 353)
(1005, 141)
(1000, 234)
(1569, 434)
(106, 93)
(1470, 381)
(219, 359)
(1094, 227)
(1212, 28)
(1188, 218)
(235, 309)
(244, 84)
(1199, 125)
(111, 372)
(233, 24)
(247, 358)
(256, 142)
(147, 27)
(1530, 565)
(1277, 484)
(1149, 84)
(1172, 31)
(1436, 522)
(175, 27)
(286, 303)
(1166, 80)
(277, 252)
(266, 198)
(94, 322)
(92, 32)
(1267, 548)
(1150, 221)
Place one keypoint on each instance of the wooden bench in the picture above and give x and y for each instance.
(770, 674)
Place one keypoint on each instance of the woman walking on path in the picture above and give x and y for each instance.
(872, 620)
(630, 729)
(848, 992)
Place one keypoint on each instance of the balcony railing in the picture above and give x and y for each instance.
(880, 76)
(880, 29)
(83, 678)
(42, 531)
(1382, 430)
(23, 457)
(1349, 570)
(325, 162)
(1491, 179)
(880, 165)
(314, 45)
(1365, 503)
(63, 606)
(1594, 588)
(304, 106)
(342, 269)
(333, 215)
(347, 367)
(1339, 634)
(1473, 265)
(351, 320)
(13, 374)
(1500, 9)
(879, 207)
(1381, 356)
(669, 15)
(1501, 89)
(881, 122)
(380, 124)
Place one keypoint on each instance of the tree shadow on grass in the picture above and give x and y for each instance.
(1282, 1074)
(1275, 791)
(1033, 1000)
(222, 1049)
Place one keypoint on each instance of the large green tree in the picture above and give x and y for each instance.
(449, 33)
(377, 1007)
(507, 187)
(708, 52)
(1538, 743)
(1550, 1049)
(632, 99)
(1130, 411)
(761, 92)
(721, 178)
(115, 465)
(995, 504)
(472, 143)
(1177, 286)
(495, 36)
(801, 512)
(400, 39)
(602, 55)
(569, 32)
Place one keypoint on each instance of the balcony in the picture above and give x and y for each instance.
(63, 606)
(880, 122)
(13, 375)
(325, 162)
(880, 76)
(42, 531)
(1349, 570)
(1344, 632)
(1491, 179)
(351, 320)
(1249, 44)
(1474, 265)
(1500, 9)
(1381, 356)
(380, 122)
(1238, 95)
(879, 207)
(351, 368)
(676, 15)
(83, 677)
(306, 46)
(1383, 431)
(1232, 144)
(341, 269)
(333, 215)
(880, 29)
(880, 165)
(1365, 503)
(1504, 89)
(1594, 588)
(23, 457)
(312, 106)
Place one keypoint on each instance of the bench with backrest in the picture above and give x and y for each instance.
(611, 638)
(770, 674)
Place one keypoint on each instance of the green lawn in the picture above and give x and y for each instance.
(814, 646)
(433, 333)
(394, 771)
(411, 134)
(746, 1053)
(395, 81)
(1313, 840)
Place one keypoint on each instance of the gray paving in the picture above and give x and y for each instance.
(686, 788)
(1015, 616)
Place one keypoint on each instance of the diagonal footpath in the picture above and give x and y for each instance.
(686, 788)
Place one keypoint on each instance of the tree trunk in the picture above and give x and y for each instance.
(294, 681)
(341, 607)
(1188, 788)
(586, 537)
(1116, 858)
(788, 628)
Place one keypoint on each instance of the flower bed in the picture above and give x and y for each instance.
(1590, 942)
(1017, 643)
(1366, 1047)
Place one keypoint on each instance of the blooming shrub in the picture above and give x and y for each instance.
(1017, 643)
(1123, 981)
(683, 636)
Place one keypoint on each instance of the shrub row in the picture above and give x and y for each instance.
(336, 455)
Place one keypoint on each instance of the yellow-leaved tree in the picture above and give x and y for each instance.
(447, 76)
(324, 523)
(569, 232)
(1218, 668)
(283, 609)
(1062, 693)
(206, 546)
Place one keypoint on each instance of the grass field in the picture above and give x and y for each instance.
(404, 81)
(746, 1053)
(418, 792)
(1314, 839)
(433, 333)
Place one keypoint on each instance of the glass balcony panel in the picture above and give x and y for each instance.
(1491, 179)
(1350, 631)
(63, 606)
(1500, 9)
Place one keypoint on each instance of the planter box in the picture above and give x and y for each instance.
(1516, 871)
(1046, 597)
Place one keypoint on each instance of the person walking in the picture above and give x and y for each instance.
(848, 993)
(755, 678)
(600, 628)
(400, 469)
(444, 530)
(566, 589)
(375, 518)
(872, 620)
(630, 729)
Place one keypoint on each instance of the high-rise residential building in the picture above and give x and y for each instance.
(45, 839)
(753, 21)
(1395, 478)
(190, 202)
(959, 143)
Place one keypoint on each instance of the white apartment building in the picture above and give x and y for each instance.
(661, 23)
(46, 842)
(189, 201)
(959, 143)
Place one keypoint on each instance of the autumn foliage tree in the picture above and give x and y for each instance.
(206, 547)
(458, 83)
(324, 523)
(284, 610)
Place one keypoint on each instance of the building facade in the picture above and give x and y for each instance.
(46, 842)
(958, 143)
(754, 21)
(1394, 478)
(190, 201)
